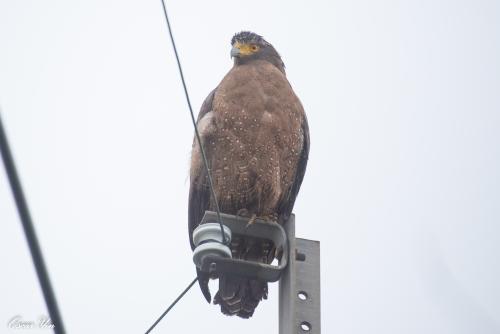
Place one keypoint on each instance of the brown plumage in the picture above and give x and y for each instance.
(256, 138)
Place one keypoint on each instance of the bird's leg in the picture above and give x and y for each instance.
(243, 213)
(270, 218)
(249, 244)
(252, 220)
(278, 253)
(273, 218)
(236, 244)
(267, 251)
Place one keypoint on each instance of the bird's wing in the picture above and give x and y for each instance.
(199, 192)
(199, 199)
(288, 200)
(206, 107)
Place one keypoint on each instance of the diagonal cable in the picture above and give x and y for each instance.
(198, 139)
(29, 232)
(205, 163)
(171, 305)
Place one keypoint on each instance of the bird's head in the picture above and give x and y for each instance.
(248, 46)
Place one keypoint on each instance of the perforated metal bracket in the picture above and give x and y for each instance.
(300, 287)
(259, 229)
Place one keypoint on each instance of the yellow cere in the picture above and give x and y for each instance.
(246, 49)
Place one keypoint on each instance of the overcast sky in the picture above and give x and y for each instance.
(402, 187)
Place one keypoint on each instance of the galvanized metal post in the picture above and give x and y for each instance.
(300, 303)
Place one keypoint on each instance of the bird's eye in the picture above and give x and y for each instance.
(254, 47)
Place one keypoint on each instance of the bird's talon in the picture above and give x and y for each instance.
(251, 221)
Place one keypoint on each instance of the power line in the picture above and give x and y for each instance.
(205, 162)
(172, 305)
(29, 232)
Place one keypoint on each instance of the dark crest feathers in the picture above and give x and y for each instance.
(248, 37)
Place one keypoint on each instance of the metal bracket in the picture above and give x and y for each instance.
(300, 303)
(298, 268)
(254, 270)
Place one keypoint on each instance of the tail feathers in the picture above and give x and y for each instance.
(240, 296)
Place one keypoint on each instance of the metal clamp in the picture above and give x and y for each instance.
(214, 259)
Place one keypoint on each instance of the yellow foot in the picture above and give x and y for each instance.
(251, 221)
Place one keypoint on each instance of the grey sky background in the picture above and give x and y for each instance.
(402, 187)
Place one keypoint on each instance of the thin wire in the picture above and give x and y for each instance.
(205, 162)
(172, 305)
(29, 232)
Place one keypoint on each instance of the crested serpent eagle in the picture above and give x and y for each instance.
(255, 134)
